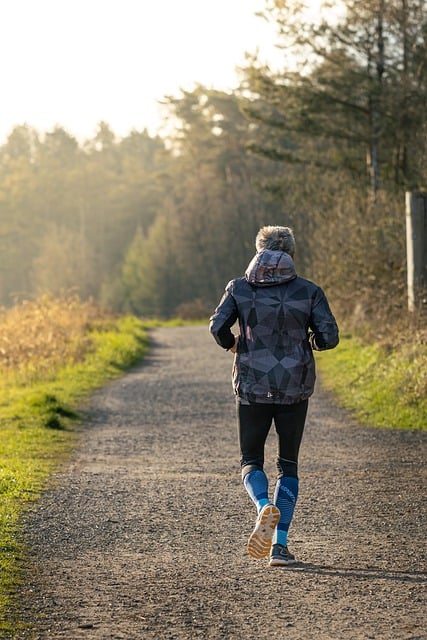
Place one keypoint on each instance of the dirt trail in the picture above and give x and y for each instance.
(143, 535)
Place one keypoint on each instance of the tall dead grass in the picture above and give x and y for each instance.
(37, 337)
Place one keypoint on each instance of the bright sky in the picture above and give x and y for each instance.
(77, 62)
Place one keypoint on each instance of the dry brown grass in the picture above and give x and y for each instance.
(37, 337)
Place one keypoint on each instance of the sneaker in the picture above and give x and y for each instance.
(281, 556)
(259, 543)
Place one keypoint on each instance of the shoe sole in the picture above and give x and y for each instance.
(281, 563)
(259, 543)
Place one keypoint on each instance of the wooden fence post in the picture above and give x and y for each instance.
(416, 248)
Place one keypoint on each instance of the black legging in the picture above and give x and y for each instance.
(254, 422)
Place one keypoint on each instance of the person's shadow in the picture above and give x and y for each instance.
(396, 575)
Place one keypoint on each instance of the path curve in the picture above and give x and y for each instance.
(143, 535)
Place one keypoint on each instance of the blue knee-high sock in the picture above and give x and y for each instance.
(285, 497)
(256, 484)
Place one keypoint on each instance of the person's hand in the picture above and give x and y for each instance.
(312, 341)
(233, 349)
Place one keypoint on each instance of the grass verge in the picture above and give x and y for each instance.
(39, 427)
(383, 388)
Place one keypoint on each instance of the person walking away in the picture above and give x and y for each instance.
(282, 318)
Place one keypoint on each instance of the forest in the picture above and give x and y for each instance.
(157, 226)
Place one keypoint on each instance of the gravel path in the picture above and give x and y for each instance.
(144, 534)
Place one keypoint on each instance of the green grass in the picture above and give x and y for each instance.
(38, 428)
(386, 389)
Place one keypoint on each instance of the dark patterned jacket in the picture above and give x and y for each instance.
(282, 317)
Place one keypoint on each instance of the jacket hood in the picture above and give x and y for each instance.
(268, 268)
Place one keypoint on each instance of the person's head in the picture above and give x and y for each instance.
(275, 239)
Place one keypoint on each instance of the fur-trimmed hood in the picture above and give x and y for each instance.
(269, 268)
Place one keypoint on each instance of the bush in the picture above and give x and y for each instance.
(194, 310)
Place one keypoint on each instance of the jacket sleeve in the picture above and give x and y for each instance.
(223, 318)
(325, 334)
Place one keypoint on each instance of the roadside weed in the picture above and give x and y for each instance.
(383, 388)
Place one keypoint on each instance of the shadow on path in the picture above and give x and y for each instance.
(373, 573)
